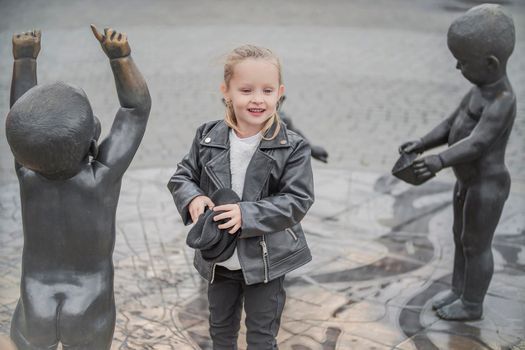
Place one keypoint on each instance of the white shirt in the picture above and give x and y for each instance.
(241, 152)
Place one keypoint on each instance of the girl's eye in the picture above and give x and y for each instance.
(246, 91)
(268, 91)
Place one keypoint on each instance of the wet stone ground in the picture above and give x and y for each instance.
(381, 250)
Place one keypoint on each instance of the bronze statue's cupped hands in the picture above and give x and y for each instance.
(427, 167)
(26, 44)
(114, 44)
(423, 168)
(412, 146)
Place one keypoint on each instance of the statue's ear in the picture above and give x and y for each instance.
(93, 148)
(493, 63)
(98, 128)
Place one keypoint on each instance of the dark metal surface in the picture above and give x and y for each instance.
(66, 292)
(477, 134)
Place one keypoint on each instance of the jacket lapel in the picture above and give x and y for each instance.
(257, 173)
(218, 167)
(262, 163)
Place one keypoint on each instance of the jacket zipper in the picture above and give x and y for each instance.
(290, 231)
(212, 273)
(265, 258)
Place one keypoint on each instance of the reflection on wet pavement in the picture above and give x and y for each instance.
(381, 250)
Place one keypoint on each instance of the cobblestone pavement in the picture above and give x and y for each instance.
(361, 77)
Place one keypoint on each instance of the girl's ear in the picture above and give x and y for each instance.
(224, 91)
(281, 91)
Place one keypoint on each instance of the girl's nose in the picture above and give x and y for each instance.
(257, 98)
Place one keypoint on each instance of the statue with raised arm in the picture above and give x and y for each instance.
(69, 190)
(477, 132)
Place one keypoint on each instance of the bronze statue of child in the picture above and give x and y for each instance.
(477, 133)
(69, 189)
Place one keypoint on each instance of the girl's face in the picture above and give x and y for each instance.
(254, 91)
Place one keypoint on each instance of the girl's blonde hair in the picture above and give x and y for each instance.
(240, 54)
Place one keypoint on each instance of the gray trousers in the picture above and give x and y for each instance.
(263, 304)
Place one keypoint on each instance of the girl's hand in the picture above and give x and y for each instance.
(197, 206)
(232, 212)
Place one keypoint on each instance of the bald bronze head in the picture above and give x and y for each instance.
(51, 130)
(482, 40)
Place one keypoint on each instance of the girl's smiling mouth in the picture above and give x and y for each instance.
(256, 111)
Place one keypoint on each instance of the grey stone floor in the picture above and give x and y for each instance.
(361, 77)
(381, 249)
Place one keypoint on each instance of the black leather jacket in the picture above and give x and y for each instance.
(278, 191)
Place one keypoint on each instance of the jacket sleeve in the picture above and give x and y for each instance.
(184, 184)
(289, 205)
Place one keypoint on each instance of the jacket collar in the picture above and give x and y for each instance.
(218, 137)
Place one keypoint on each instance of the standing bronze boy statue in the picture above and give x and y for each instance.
(69, 189)
(477, 133)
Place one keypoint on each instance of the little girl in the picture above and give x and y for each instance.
(268, 166)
